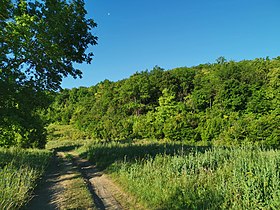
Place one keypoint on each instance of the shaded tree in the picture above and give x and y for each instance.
(39, 43)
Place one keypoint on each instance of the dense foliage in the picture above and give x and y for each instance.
(222, 103)
(39, 42)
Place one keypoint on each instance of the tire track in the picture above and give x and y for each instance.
(102, 190)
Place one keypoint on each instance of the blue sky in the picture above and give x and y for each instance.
(136, 35)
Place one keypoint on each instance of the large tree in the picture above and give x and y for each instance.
(39, 43)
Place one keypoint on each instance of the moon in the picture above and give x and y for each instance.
(109, 14)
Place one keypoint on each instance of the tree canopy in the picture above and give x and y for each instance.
(39, 43)
(223, 103)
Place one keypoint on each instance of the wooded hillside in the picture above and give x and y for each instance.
(224, 103)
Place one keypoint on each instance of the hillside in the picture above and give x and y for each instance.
(224, 103)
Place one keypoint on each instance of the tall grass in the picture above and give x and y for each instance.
(19, 171)
(195, 178)
(65, 137)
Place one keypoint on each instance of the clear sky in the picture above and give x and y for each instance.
(136, 35)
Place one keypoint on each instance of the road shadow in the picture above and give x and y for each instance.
(67, 148)
(105, 154)
(44, 194)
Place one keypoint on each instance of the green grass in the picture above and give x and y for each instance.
(104, 154)
(172, 176)
(65, 132)
(65, 138)
(19, 171)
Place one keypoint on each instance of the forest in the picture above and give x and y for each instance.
(223, 103)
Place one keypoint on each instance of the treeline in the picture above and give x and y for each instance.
(223, 103)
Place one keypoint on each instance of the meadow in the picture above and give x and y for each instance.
(174, 176)
(157, 174)
(20, 169)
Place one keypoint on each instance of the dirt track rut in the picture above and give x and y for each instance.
(103, 189)
(104, 192)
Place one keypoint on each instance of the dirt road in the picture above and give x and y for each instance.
(45, 197)
(104, 192)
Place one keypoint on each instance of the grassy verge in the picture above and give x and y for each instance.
(172, 176)
(19, 171)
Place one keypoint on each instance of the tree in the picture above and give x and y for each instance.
(136, 93)
(44, 38)
(39, 43)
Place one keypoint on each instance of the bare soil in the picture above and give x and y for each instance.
(104, 192)
(46, 193)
